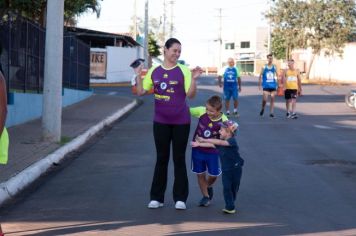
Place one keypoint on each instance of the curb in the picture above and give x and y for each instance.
(121, 84)
(15, 184)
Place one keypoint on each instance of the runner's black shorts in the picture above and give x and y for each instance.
(290, 94)
(269, 89)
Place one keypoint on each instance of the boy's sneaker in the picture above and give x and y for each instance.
(236, 114)
(205, 201)
(210, 192)
(154, 204)
(261, 112)
(272, 115)
(233, 211)
(288, 115)
(227, 113)
(180, 205)
(294, 116)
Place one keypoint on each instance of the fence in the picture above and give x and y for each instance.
(22, 58)
(76, 63)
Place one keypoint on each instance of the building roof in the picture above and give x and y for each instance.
(100, 39)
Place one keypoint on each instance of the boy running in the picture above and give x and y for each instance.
(205, 160)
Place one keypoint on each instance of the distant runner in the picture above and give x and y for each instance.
(268, 79)
(232, 85)
(293, 87)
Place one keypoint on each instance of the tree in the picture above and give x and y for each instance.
(286, 18)
(324, 26)
(153, 47)
(36, 9)
(154, 37)
(278, 46)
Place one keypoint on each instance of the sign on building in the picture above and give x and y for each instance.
(98, 65)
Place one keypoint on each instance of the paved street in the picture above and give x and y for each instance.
(299, 176)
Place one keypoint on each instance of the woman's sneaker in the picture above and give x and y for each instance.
(233, 211)
(154, 204)
(180, 205)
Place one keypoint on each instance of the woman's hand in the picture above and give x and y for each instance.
(196, 72)
(138, 70)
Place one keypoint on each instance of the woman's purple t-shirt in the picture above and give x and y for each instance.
(170, 96)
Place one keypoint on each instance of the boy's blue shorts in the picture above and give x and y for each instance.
(203, 161)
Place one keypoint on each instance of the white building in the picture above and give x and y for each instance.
(246, 46)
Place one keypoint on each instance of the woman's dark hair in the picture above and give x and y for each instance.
(170, 42)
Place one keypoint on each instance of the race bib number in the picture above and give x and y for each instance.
(270, 77)
(292, 78)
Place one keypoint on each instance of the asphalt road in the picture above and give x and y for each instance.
(299, 176)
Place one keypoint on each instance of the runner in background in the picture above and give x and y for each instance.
(293, 87)
(269, 83)
(231, 85)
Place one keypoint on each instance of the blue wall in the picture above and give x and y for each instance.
(28, 106)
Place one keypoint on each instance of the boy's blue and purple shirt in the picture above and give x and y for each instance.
(206, 128)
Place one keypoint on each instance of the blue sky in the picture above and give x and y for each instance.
(196, 22)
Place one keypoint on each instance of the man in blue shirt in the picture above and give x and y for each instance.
(268, 80)
(232, 85)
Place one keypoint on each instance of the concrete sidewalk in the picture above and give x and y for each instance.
(30, 156)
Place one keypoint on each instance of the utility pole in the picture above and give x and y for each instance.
(145, 47)
(172, 26)
(220, 38)
(269, 42)
(52, 87)
(135, 21)
(164, 21)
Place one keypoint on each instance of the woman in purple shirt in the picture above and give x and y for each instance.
(172, 83)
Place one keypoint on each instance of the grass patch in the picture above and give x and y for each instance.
(65, 140)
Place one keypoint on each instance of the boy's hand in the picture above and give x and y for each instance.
(194, 144)
(199, 139)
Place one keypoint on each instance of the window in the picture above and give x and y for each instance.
(245, 44)
(229, 46)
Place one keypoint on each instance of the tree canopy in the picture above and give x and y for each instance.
(153, 47)
(326, 24)
(322, 25)
(36, 9)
